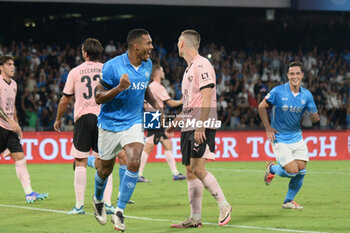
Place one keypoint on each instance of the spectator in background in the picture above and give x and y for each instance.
(110, 49)
(275, 76)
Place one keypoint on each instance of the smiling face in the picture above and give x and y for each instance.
(144, 47)
(295, 75)
(8, 69)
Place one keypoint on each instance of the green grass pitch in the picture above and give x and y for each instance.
(256, 207)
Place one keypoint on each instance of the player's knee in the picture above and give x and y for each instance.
(199, 172)
(105, 172)
(122, 160)
(133, 163)
(291, 171)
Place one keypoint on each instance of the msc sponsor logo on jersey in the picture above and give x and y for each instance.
(291, 108)
(139, 86)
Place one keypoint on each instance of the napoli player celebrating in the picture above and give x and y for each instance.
(289, 102)
(10, 131)
(122, 91)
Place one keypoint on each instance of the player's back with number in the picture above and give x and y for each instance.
(82, 82)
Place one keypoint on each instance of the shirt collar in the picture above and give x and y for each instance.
(2, 78)
(126, 58)
(301, 89)
(127, 61)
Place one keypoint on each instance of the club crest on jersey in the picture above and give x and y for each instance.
(285, 108)
(147, 74)
(190, 78)
(302, 101)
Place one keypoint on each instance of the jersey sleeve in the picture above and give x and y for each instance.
(271, 97)
(204, 73)
(163, 94)
(108, 78)
(68, 89)
(310, 104)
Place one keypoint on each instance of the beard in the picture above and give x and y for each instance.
(144, 55)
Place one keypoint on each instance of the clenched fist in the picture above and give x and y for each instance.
(124, 82)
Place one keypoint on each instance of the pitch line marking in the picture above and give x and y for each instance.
(167, 220)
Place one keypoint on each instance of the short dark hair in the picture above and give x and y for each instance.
(193, 36)
(5, 58)
(135, 34)
(295, 63)
(93, 48)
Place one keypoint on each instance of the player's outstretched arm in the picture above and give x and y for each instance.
(173, 103)
(270, 132)
(103, 95)
(62, 107)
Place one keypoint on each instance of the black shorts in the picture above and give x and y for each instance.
(190, 149)
(157, 135)
(9, 140)
(86, 133)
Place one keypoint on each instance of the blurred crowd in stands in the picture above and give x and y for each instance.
(243, 78)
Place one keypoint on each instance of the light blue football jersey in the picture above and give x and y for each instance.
(287, 110)
(125, 109)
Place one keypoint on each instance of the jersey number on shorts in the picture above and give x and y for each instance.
(87, 79)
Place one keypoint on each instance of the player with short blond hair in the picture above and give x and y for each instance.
(198, 143)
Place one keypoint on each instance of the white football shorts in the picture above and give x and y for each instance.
(111, 143)
(286, 153)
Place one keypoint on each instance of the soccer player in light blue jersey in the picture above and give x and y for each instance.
(289, 102)
(122, 90)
